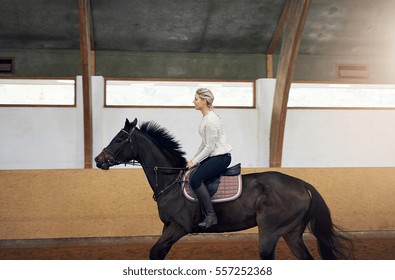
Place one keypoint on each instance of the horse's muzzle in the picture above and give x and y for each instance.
(104, 166)
(102, 162)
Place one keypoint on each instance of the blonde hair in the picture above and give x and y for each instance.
(206, 94)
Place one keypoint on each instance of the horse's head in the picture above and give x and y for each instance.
(120, 148)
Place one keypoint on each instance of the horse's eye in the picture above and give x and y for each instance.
(118, 140)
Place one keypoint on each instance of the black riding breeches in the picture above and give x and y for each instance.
(209, 168)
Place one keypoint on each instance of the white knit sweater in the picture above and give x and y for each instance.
(213, 138)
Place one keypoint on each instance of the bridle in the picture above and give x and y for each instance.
(113, 161)
(157, 193)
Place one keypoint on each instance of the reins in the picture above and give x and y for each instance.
(156, 168)
(155, 196)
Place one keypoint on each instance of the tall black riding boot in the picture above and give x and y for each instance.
(205, 201)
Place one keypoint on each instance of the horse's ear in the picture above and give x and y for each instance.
(129, 125)
(134, 123)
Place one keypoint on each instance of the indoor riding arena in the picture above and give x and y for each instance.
(305, 88)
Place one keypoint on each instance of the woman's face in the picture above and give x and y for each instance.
(199, 102)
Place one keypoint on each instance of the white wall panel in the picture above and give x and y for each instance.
(42, 138)
(339, 138)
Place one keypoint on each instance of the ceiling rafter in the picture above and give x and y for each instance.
(92, 38)
(275, 39)
(279, 29)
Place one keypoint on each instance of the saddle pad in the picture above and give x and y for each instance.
(229, 189)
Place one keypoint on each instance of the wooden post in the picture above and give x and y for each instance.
(298, 10)
(85, 47)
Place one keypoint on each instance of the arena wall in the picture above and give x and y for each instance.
(94, 203)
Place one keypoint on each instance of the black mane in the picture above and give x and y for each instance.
(165, 140)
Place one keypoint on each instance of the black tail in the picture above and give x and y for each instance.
(332, 245)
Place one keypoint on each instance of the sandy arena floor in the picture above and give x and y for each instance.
(367, 246)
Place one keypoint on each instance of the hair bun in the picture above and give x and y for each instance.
(205, 93)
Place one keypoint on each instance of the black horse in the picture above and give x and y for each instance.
(280, 205)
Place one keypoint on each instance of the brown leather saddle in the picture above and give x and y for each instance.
(225, 187)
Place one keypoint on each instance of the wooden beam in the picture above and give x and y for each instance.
(279, 28)
(298, 10)
(85, 48)
(93, 63)
(269, 66)
(92, 38)
(90, 24)
(275, 39)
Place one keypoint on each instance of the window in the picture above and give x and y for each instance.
(37, 92)
(146, 93)
(341, 96)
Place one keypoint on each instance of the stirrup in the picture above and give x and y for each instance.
(209, 221)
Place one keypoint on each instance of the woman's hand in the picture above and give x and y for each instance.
(190, 164)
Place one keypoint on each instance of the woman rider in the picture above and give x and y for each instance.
(213, 155)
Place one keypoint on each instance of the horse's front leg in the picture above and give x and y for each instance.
(170, 235)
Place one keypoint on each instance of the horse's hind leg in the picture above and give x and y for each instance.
(274, 223)
(267, 244)
(170, 235)
(294, 240)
